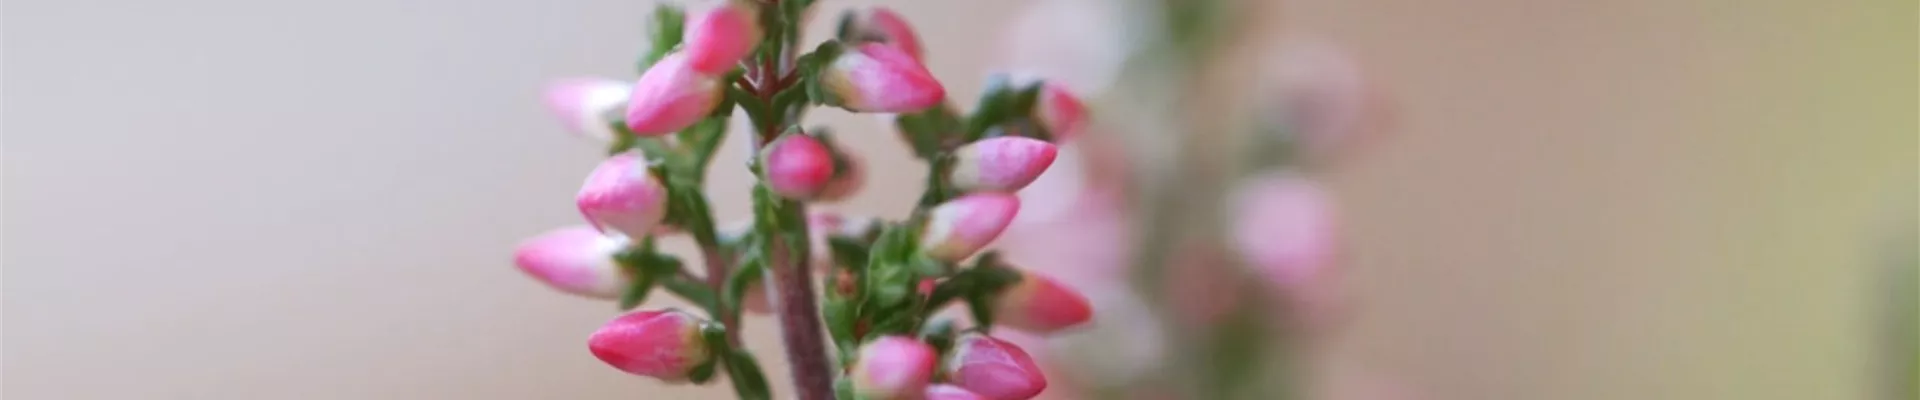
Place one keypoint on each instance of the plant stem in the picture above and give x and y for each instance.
(800, 326)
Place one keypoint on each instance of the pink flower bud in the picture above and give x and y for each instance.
(664, 344)
(585, 105)
(881, 25)
(963, 226)
(622, 195)
(1001, 164)
(893, 367)
(671, 96)
(874, 77)
(797, 166)
(719, 38)
(993, 369)
(1038, 304)
(1284, 225)
(1060, 111)
(577, 260)
(950, 392)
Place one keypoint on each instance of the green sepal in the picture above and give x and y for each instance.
(1002, 102)
(812, 65)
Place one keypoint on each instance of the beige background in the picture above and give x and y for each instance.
(1588, 200)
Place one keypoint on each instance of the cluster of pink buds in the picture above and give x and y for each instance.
(884, 281)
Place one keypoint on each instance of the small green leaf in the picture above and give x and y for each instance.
(695, 292)
(669, 23)
(939, 334)
(703, 373)
(748, 382)
(636, 294)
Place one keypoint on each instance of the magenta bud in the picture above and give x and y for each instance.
(874, 77)
(847, 180)
(671, 96)
(881, 25)
(1039, 304)
(797, 166)
(586, 106)
(1285, 227)
(718, 39)
(664, 344)
(993, 369)
(1060, 111)
(577, 260)
(622, 195)
(1001, 164)
(893, 367)
(963, 226)
(950, 392)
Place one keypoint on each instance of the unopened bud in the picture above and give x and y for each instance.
(1001, 164)
(1060, 111)
(893, 367)
(993, 369)
(622, 195)
(874, 77)
(880, 25)
(797, 166)
(963, 226)
(577, 260)
(950, 392)
(586, 106)
(671, 96)
(664, 344)
(718, 39)
(1038, 304)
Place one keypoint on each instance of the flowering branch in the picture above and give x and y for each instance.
(885, 280)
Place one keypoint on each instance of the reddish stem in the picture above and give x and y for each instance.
(800, 326)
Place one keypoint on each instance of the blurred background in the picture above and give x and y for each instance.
(1637, 199)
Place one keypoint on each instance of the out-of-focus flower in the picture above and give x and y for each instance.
(893, 367)
(1285, 226)
(671, 96)
(718, 39)
(881, 25)
(797, 166)
(847, 179)
(577, 260)
(585, 106)
(1001, 164)
(664, 344)
(950, 392)
(963, 226)
(993, 369)
(874, 77)
(1321, 96)
(622, 195)
(1039, 304)
(1060, 111)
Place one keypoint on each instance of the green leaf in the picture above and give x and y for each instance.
(748, 382)
(930, 131)
(750, 268)
(695, 292)
(840, 315)
(703, 373)
(669, 23)
(848, 252)
(636, 294)
(939, 334)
